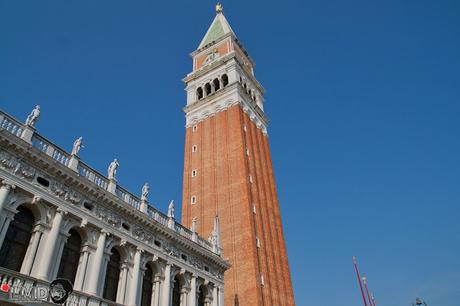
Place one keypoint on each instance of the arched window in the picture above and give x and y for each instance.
(70, 257)
(224, 80)
(17, 240)
(202, 296)
(111, 277)
(207, 89)
(147, 285)
(216, 84)
(199, 93)
(176, 292)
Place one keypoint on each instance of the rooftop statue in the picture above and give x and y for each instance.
(33, 117)
(171, 209)
(145, 192)
(194, 221)
(77, 145)
(113, 169)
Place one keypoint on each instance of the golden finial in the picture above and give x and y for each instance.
(219, 8)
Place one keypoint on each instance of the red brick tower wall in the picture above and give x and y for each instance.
(234, 175)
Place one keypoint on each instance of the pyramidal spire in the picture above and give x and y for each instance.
(218, 29)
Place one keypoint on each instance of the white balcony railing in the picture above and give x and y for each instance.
(16, 128)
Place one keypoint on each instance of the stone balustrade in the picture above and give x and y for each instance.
(13, 126)
(125, 251)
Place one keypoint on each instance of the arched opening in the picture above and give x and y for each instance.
(199, 93)
(176, 292)
(147, 287)
(216, 84)
(202, 296)
(17, 240)
(224, 80)
(70, 257)
(207, 89)
(112, 276)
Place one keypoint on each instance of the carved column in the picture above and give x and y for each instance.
(57, 255)
(184, 296)
(215, 299)
(5, 223)
(4, 192)
(29, 258)
(136, 282)
(122, 283)
(156, 291)
(192, 296)
(166, 292)
(82, 268)
(97, 263)
(221, 296)
(50, 245)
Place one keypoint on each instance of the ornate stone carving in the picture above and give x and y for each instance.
(7, 161)
(171, 249)
(24, 170)
(143, 235)
(108, 216)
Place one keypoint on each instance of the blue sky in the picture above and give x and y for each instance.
(363, 100)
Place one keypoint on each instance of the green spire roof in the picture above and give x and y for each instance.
(218, 28)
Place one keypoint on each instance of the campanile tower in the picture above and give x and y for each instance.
(228, 170)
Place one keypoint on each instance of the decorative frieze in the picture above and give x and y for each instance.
(108, 216)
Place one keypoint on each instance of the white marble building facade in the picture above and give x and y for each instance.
(59, 218)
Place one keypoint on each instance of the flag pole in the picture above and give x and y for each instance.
(359, 280)
(367, 291)
(373, 299)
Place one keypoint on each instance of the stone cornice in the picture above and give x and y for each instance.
(79, 188)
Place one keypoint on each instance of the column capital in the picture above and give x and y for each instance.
(61, 211)
(105, 232)
(36, 199)
(7, 184)
(158, 278)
